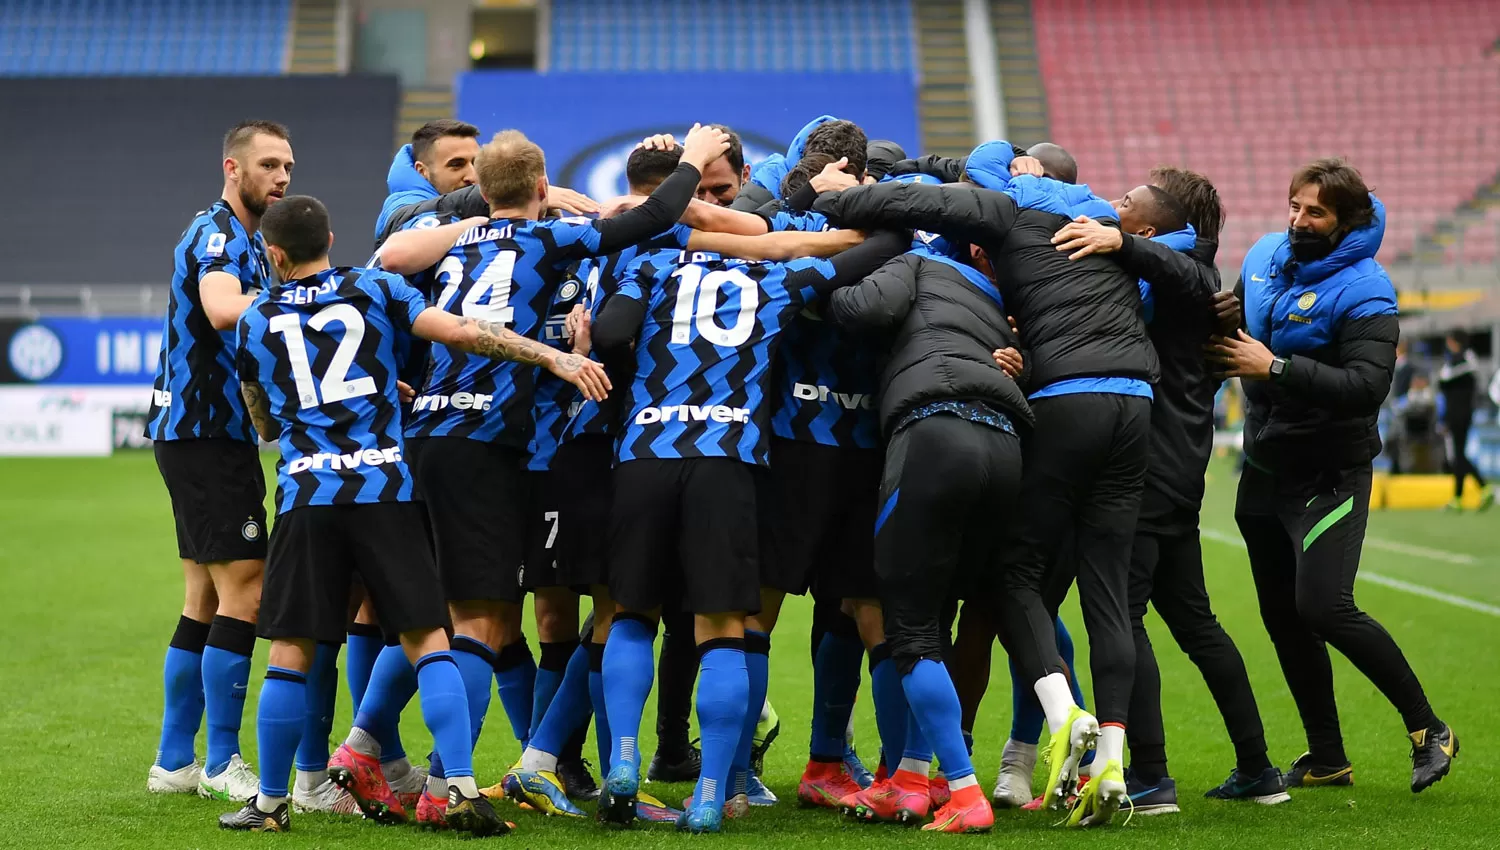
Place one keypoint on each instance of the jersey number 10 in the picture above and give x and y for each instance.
(698, 301)
(336, 385)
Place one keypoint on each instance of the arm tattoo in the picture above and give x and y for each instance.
(259, 408)
(497, 342)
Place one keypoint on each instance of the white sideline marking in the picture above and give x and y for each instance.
(1384, 580)
(1421, 551)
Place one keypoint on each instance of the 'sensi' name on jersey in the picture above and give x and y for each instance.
(849, 401)
(457, 401)
(692, 413)
(306, 294)
(368, 457)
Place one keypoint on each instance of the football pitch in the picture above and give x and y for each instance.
(92, 591)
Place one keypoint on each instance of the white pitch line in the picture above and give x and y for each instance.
(1382, 580)
(1421, 551)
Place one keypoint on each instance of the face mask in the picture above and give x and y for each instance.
(1308, 246)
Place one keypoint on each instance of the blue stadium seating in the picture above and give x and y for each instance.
(732, 35)
(142, 37)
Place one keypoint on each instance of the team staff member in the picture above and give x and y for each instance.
(206, 451)
(1316, 358)
(1458, 381)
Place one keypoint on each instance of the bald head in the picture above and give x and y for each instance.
(1056, 162)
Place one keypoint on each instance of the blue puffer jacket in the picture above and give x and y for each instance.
(1181, 241)
(989, 166)
(1335, 320)
(406, 186)
(769, 173)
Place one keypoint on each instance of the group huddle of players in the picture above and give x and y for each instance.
(898, 384)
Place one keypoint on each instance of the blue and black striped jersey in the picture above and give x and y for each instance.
(826, 379)
(505, 272)
(601, 279)
(324, 350)
(553, 397)
(414, 359)
(705, 349)
(196, 394)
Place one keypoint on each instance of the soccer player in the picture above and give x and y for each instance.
(206, 451)
(1092, 364)
(696, 430)
(473, 418)
(1315, 361)
(316, 358)
(953, 464)
(438, 160)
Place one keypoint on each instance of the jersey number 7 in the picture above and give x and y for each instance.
(336, 385)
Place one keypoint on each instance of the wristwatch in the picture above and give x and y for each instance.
(1278, 367)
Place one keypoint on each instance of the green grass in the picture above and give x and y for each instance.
(91, 592)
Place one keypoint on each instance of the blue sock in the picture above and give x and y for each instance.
(835, 684)
(226, 680)
(435, 765)
(602, 739)
(393, 682)
(445, 709)
(916, 741)
(724, 697)
(757, 652)
(365, 643)
(890, 705)
(569, 708)
(628, 671)
(317, 719)
(934, 704)
(476, 664)
(549, 677)
(515, 673)
(182, 710)
(278, 727)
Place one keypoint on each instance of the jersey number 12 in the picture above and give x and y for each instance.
(336, 385)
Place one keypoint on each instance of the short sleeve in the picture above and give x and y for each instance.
(219, 249)
(405, 303)
(245, 364)
(575, 236)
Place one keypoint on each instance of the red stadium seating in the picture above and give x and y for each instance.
(1245, 92)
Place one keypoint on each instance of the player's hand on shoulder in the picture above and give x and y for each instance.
(585, 374)
(569, 201)
(1026, 165)
(1083, 236)
(703, 145)
(833, 178)
(615, 206)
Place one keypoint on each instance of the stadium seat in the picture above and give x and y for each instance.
(1219, 87)
(142, 37)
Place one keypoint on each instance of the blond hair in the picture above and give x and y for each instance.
(509, 168)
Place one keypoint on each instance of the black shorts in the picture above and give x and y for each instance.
(218, 493)
(476, 496)
(695, 514)
(817, 520)
(317, 550)
(582, 470)
(543, 531)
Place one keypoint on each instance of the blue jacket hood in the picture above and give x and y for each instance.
(769, 173)
(989, 166)
(1181, 241)
(1357, 246)
(405, 185)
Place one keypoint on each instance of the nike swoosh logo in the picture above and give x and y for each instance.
(1257, 279)
(1148, 792)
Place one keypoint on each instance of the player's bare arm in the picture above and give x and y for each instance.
(412, 251)
(259, 408)
(497, 342)
(702, 215)
(223, 299)
(785, 245)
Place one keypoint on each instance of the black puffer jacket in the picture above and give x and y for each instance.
(942, 327)
(460, 204)
(1182, 413)
(1081, 319)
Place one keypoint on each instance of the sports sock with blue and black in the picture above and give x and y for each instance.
(724, 694)
(278, 728)
(756, 648)
(628, 675)
(226, 680)
(364, 643)
(393, 683)
(476, 664)
(891, 710)
(935, 708)
(549, 677)
(515, 674)
(182, 710)
(602, 739)
(835, 686)
(317, 719)
(445, 709)
(568, 712)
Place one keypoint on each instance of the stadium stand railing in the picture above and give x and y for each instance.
(1247, 92)
(143, 37)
